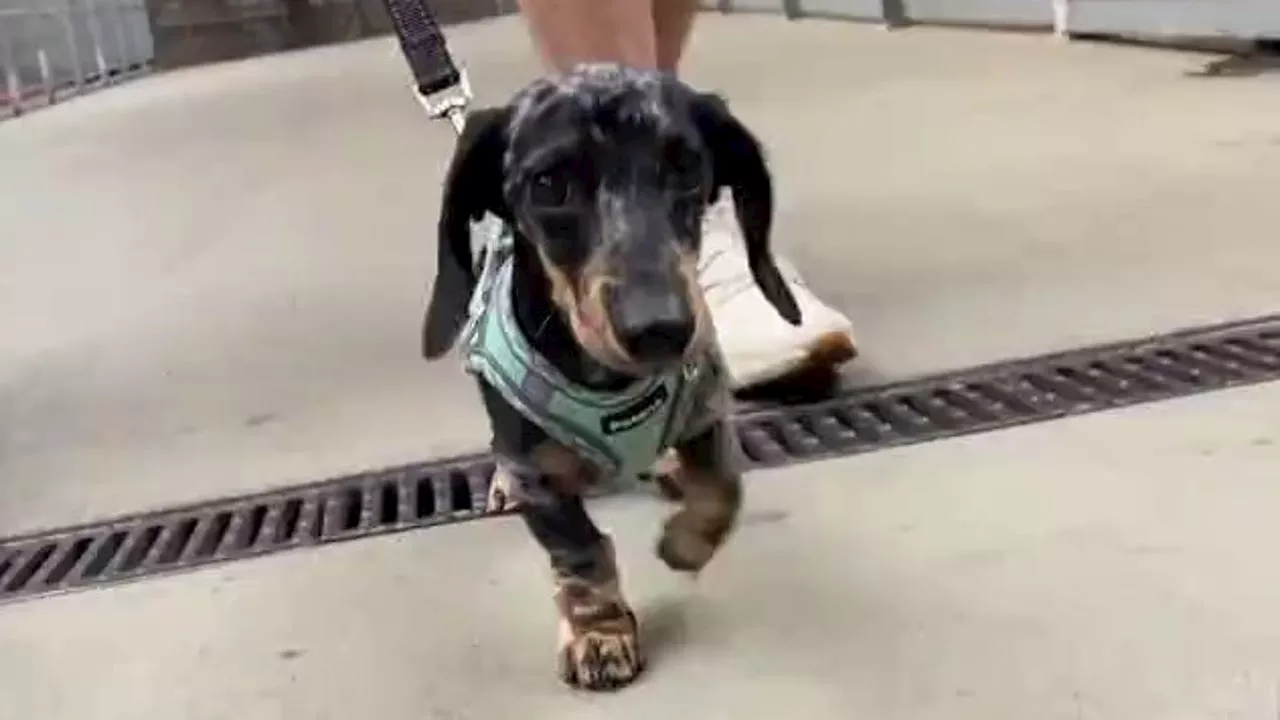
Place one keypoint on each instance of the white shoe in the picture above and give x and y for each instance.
(758, 345)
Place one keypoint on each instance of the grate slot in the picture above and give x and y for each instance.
(974, 405)
(289, 521)
(830, 430)
(77, 573)
(894, 420)
(135, 552)
(760, 445)
(906, 413)
(1096, 389)
(422, 495)
(424, 498)
(955, 409)
(388, 503)
(216, 529)
(1006, 395)
(105, 555)
(1096, 375)
(311, 522)
(247, 526)
(351, 507)
(868, 427)
(937, 411)
(1136, 383)
(1257, 353)
(1160, 366)
(1055, 391)
(797, 438)
(27, 570)
(460, 493)
(7, 559)
(1223, 367)
(68, 560)
(175, 541)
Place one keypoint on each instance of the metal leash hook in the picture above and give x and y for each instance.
(450, 104)
(438, 84)
(442, 89)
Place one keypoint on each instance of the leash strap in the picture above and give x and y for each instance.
(438, 83)
(442, 88)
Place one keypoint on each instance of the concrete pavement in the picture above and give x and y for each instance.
(1113, 566)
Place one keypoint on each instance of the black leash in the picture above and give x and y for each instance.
(438, 83)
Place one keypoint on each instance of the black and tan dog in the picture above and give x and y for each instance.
(604, 174)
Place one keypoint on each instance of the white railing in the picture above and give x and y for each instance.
(50, 49)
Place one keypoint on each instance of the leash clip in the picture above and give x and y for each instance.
(450, 103)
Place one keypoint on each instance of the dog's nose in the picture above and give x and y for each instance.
(652, 325)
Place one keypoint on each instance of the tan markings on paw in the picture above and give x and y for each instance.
(600, 656)
(502, 492)
(599, 647)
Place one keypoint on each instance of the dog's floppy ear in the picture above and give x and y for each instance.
(472, 187)
(738, 162)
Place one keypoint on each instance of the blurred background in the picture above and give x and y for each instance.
(50, 49)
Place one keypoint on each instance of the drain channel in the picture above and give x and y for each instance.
(974, 400)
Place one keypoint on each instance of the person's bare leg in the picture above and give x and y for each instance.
(672, 26)
(568, 32)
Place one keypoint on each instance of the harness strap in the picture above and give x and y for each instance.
(622, 432)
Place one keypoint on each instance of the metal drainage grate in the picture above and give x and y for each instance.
(967, 401)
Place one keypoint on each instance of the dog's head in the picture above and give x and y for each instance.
(606, 172)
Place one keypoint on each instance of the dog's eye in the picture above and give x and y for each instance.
(685, 170)
(550, 189)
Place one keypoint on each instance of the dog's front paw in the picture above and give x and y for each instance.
(600, 659)
(599, 639)
(688, 542)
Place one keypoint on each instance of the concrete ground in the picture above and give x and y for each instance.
(1117, 566)
(212, 283)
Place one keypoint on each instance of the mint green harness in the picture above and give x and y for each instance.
(622, 432)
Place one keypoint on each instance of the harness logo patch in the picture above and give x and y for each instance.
(638, 412)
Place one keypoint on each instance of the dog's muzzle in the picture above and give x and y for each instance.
(653, 324)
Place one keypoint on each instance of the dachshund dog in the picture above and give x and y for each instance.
(595, 325)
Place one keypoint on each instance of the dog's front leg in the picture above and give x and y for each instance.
(598, 646)
(709, 488)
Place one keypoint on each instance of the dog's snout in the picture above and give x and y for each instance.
(652, 324)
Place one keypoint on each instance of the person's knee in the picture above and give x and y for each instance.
(568, 32)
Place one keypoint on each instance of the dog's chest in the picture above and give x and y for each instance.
(620, 434)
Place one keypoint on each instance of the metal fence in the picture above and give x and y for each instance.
(53, 48)
(50, 49)
(1173, 19)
